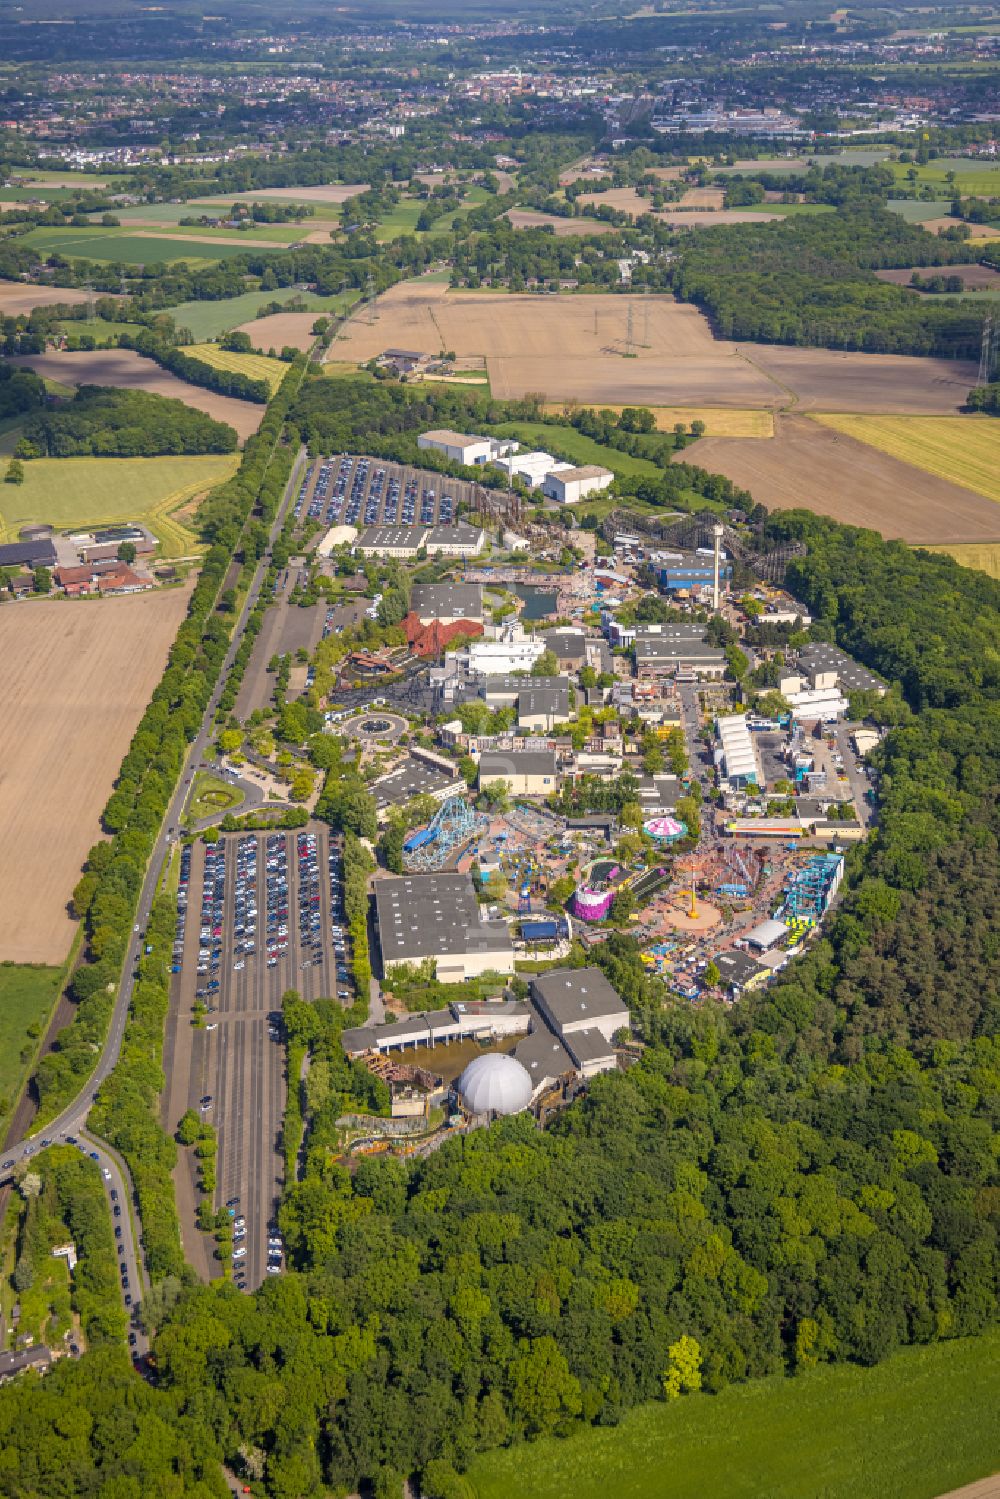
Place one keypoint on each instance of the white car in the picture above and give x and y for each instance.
(240, 1253)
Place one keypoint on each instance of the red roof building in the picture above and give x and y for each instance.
(431, 639)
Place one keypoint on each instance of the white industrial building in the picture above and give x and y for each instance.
(460, 447)
(823, 703)
(405, 542)
(568, 485)
(510, 650)
(524, 772)
(532, 468)
(735, 752)
(436, 918)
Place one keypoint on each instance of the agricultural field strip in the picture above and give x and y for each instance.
(254, 366)
(75, 686)
(964, 450)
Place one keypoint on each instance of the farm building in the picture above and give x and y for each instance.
(36, 551)
(436, 917)
(568, 485)
(526, 772)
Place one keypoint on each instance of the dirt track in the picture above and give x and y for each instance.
(575, 347)
(800, 468)
(126, 368)
(75, 678)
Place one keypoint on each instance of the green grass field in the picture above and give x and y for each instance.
(279, 234)
(99, 327)
(786, 210)
(211, 797)
(254, 366)
(917, 1425)
(27, 994)
(578, 448)
(401, 220)
(919, 213)
(972, 178)
(76, 492)
(211, 319)
(132, 248)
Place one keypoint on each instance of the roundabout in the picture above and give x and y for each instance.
(375, 728)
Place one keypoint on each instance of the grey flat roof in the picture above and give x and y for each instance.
(574, 994)
(543, 700)
(518, 762)
(542, 1054)
(412, 778)
(507, 684)
(670, 630)
(820, 656)
(450, 535)
(737, 967)
(450, 600)
(423, 915)
(677, 650)
(565, 642)
(588, 1046)
(392, 537)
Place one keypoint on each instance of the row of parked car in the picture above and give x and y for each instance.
(213, 896)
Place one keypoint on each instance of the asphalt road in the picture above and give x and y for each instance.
(73, 1118)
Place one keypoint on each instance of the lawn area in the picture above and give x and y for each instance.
(27, 995)
(985, 556)
(134, 248)
(211, 797)
(74, 492)
(279, 234)
(964, 449)
(210, 319)
(402, 219)
(254, 366)
(786, 210)
(720, 421)
(916, 1425)
(99, 327)
(578, 449)
(918, 213)
(972, 178)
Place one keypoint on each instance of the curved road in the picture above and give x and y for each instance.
(72, 1120)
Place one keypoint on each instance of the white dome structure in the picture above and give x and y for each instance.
(495, 1084)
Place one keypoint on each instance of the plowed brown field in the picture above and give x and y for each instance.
(16, 297)
(126, 368)
(280, 328)
(810, 467)
(74, 680)
(573, 347)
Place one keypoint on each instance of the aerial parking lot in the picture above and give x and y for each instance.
(368, 492)
(258, 914)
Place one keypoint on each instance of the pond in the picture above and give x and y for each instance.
(538, 602)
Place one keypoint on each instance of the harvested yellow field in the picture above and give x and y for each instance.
(254, 366)
(719, 420)
(962, 449)
(985, 558)
(75, 679)
(703, 197)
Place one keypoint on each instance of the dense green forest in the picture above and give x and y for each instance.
(811, 1176)
(115, 423)
(810, 280)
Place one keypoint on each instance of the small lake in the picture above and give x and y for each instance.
(538, 602)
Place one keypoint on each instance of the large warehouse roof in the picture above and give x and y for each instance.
(429, 915)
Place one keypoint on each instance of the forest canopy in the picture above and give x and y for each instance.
(105, 422)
